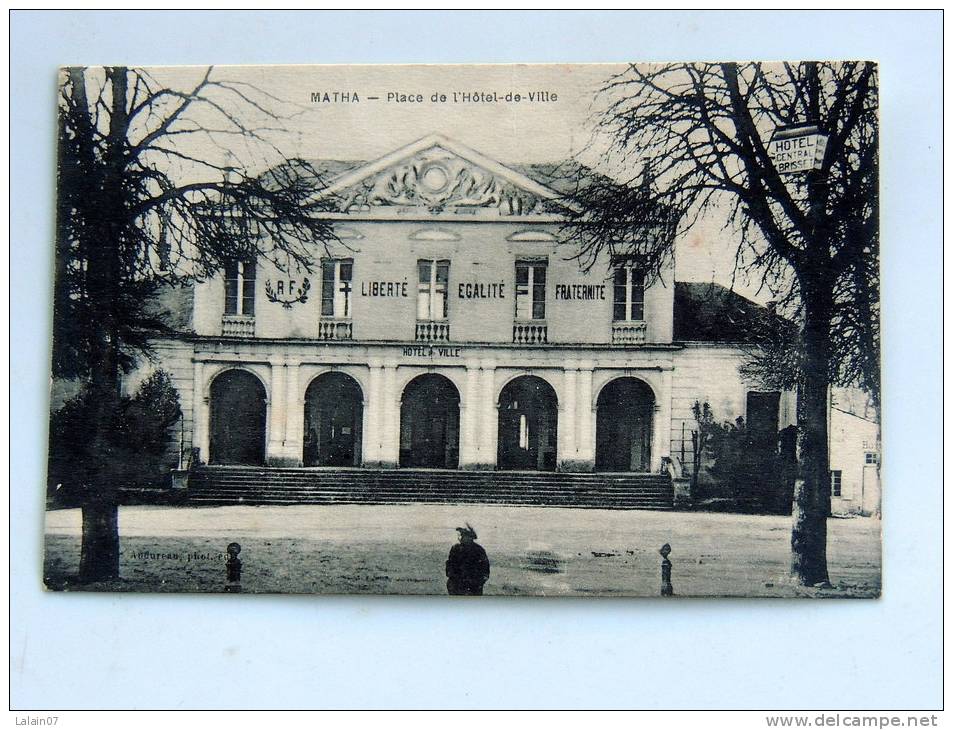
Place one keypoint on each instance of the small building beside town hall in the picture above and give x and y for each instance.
(449, 330)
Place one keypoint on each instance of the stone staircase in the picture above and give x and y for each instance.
(224, 485)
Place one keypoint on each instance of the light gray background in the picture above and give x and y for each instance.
(162, 651)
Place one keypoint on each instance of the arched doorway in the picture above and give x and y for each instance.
(527, 418)
(333, 421)
(237, 412)
(624, 426)
(430, 423)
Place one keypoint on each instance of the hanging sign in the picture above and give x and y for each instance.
(797, 149)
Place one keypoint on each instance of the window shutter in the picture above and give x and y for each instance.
(638, 294)
(327, 288)
(248, 288)
(539, 292)
(231, 287)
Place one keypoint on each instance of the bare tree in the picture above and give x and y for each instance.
(153, 191)
(701, 132)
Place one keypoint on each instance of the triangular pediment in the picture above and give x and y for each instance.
(437, 175)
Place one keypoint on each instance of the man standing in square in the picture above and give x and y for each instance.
(468, 567)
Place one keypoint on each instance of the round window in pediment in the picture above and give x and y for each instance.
(434, 178)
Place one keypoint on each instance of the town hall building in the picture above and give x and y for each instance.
(448, 329)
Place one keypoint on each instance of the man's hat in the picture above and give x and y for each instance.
(467, 530)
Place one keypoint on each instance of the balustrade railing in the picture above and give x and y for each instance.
(529, 333)
(524, 333)
(628, 333)
(238, 325)
(335, 329)
(430, 331)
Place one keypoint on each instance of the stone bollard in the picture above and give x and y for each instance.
(665, 551)
(233, 569)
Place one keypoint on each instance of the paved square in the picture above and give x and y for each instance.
(402, 549)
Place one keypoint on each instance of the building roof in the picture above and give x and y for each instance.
(710, 312)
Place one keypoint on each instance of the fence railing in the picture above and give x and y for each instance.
(430, 331)
(335, 329)
(628, 333)
(524, 333)
(238, 325)
(529, 333)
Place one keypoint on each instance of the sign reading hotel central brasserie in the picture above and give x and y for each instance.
(797, 149)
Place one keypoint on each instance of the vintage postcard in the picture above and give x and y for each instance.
(551, 330)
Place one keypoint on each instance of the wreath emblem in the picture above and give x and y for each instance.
(301, 295)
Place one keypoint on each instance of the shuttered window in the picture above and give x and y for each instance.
(432, 280)
(240, 288)
(336, 287)
(628, 293)
(531, 290)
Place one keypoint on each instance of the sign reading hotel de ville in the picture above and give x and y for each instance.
(466, 330)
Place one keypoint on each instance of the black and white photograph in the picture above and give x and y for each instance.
(472, 330)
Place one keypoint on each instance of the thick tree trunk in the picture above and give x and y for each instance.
(99, 559)
(99, 556)
(812, 499)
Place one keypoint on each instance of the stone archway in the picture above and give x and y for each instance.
(624, 413)
(237, 413)
(333, 421)
(528, 413)
(430, 423)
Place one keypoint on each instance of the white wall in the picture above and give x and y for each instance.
(851, 437)
(709, 372)
(479, 252)
(705, 372)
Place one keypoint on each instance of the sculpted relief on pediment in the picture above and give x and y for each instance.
(438, 180)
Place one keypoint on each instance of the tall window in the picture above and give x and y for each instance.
(531, 290)
(835, 483)
(336, 287)
(432, 279)
(628, 299)
(240, 288)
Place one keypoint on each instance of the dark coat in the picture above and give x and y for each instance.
(468, 568)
